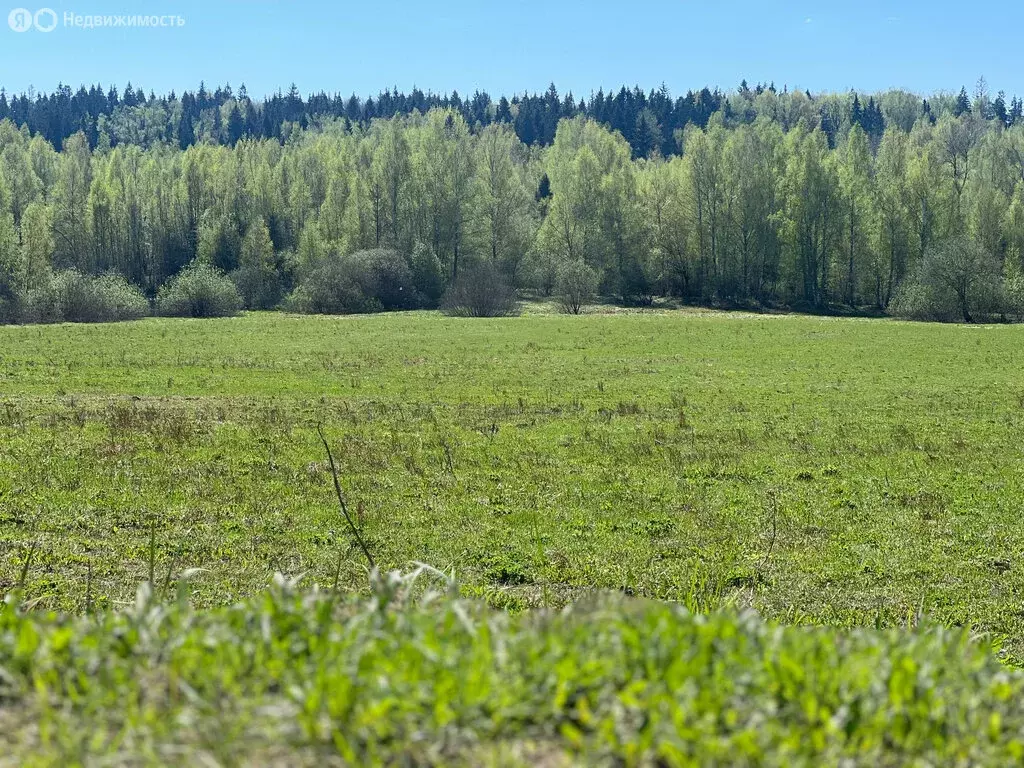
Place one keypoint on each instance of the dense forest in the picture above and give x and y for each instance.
(648, 121)
(759, 196)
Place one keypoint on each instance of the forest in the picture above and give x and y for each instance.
(333, 532)
(761, 197)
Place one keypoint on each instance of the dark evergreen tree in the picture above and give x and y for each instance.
(999, 108)
(236, 125)
(647, 136)
(1016, 111)
(963, 104)
(186, 132)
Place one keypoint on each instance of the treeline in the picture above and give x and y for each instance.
(773, 211)
(649, 121)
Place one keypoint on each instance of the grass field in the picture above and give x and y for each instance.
(820, 471)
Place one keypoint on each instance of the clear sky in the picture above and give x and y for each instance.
(516, 45)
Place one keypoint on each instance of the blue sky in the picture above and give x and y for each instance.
(512, 46)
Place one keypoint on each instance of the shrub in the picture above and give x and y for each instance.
(377, 280)
(913, 301)
(480, 292)
(120, 299)
(73, 297)
(11, 306)
(577, 284)
(957, 280)
(426, 275)
(330, 290)
(636, 284)
(199, 290)
(385, 275)
(259, 286)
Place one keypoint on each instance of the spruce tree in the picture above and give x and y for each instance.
(236, 125)
(963, 104)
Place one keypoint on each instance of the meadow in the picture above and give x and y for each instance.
(816, 471)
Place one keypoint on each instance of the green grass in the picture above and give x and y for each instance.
(841, 472)
(303, 679)
(838, 472)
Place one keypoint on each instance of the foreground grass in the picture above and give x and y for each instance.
(820, 471)
(292, 678)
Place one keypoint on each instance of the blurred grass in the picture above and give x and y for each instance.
(300, 678)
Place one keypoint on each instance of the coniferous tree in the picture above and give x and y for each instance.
(235, 126)
(963, 104)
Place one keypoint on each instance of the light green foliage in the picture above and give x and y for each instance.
(376, 280)
(10, 261)
(779, 200)
(661, 186)
(257, 250)
(505, 217)
(856, 188)
(891, 253)
(811, 189)
(957, 280)
(1013, 288)
(198, 291)
(71, 198)
(593, 215)
(73, 297)
(444, 185)
(37, 245)
(304, 679)
(576, 285)
(926, 192)
(258, 277)
(16, 169)
(753, 164)
(956, 138)
(391, 180)
(702, 153)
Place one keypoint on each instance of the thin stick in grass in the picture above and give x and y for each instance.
(152, 555)
(23, 578)
(88, 589)
(341, 497)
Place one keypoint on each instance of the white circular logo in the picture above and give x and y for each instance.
(20, 19)
(46, 20)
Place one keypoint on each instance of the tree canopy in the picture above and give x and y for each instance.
(757, 197)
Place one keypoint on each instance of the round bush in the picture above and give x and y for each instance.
(576, 284)
(480, 292)
(427, 275)
(76, 298)
(377, 280)
(199, 290)
(118, 299)
(914, 301)
(259, 287)
(956, 281)
(12, 307)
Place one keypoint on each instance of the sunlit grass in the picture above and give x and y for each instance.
(819, 471)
